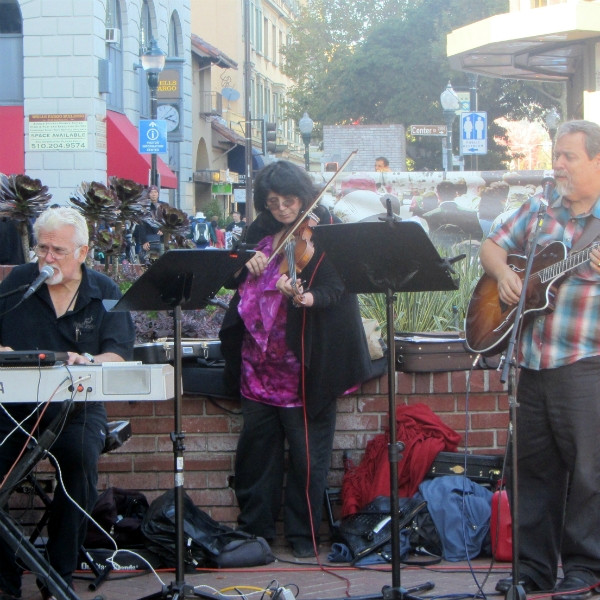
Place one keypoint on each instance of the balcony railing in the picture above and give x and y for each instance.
(211, 103)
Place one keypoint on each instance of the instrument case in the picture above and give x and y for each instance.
(481, 468)
(434, 352)
(162, 351)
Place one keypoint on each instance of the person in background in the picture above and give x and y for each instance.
(236, 226)
(446, 191)
(290, 354)
(65, 314)
(151, 238)
(217, 235)
(382, 164)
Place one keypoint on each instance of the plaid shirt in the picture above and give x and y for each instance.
(571, 332)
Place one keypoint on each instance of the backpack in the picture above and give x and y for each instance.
(200, 232)
(120, 513)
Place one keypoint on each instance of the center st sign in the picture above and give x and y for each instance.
(436, 130)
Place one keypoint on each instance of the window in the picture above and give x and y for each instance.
(274, 43)
(260, 96)
(266, 37)
(174, 36)
(11, 51)
(114, 55)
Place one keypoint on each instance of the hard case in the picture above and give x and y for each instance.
(161, 351)
(434, 352)
(481, 468)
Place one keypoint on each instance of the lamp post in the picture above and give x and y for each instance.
(153, 62)
(306, 126)
(450, 104)
(552, 119)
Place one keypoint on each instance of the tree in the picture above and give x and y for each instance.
(392, 69)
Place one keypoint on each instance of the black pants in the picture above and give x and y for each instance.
(259, 468)
(77, 450)
(558, 427)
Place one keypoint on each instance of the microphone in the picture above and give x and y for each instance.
(548, 184)
(45, 273)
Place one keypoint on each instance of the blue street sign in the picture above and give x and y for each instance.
(473, 132)
(153, 136)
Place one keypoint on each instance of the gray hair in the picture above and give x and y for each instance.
(54, 218)
(589, 129)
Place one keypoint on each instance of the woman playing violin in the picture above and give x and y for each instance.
(290, 353)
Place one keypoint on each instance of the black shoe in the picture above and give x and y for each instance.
(528, 584)
(303, 549)
(580, 589)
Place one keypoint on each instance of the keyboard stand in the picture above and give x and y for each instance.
(12, 533)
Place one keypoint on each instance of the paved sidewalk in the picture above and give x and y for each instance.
(304, 578)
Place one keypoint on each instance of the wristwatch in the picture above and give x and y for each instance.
(88, 356)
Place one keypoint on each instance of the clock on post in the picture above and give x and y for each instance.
(170, 114)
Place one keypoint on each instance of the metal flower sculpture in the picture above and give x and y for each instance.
(22, 199)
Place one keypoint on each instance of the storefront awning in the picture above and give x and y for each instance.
(12, 148)
(544, 44)
(123, 158)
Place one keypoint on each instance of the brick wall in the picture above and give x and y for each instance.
(145, 462)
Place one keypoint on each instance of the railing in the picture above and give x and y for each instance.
(211, 103)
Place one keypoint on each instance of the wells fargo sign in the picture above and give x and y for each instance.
(169, 84)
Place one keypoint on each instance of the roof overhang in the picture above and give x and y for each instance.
(544, 44)
(204, 50)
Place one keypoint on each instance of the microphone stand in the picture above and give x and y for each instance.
(509, 372)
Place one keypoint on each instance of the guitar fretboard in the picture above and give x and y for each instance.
(568, 264)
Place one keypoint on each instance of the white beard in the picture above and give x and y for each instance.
(56, 278)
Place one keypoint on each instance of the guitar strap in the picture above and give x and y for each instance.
(590, 232)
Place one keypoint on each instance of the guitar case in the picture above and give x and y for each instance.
(485, 469)
(435, 352)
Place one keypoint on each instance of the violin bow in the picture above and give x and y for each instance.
(316, 201)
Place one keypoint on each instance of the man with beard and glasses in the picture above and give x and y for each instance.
(558, 414)
(65, 314)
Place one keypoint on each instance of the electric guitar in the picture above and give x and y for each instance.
(489, 321)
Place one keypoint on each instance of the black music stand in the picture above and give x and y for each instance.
(390, 256)
(188, 278)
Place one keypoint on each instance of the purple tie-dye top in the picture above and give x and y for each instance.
(270, 370)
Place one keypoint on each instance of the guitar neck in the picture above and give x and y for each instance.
(568, 264)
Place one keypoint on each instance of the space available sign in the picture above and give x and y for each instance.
(58, 132)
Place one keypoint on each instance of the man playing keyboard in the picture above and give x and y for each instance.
(65, 314)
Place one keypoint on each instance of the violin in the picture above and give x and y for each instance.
(297, 243)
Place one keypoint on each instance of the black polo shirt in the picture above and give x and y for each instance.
(86, 327)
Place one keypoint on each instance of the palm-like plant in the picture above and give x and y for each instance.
(173, 222)
(22, 199)
(97, 204)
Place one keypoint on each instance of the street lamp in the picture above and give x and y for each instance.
(450, 104)
(153, 62)
(306, 126)
(552, 119)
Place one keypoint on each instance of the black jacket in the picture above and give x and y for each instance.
(336, 353)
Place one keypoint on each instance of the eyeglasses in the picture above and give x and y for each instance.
(43, 251)
(287, 201)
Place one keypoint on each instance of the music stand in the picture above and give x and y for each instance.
(389, 256)
(190, 278)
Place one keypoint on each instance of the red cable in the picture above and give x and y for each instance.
(307, 489)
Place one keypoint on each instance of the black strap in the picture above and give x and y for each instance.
(590, 232)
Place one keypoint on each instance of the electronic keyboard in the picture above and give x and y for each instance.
(106, 382)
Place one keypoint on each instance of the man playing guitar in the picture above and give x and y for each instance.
(559, 385)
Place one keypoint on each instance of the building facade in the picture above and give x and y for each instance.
(74, 91)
